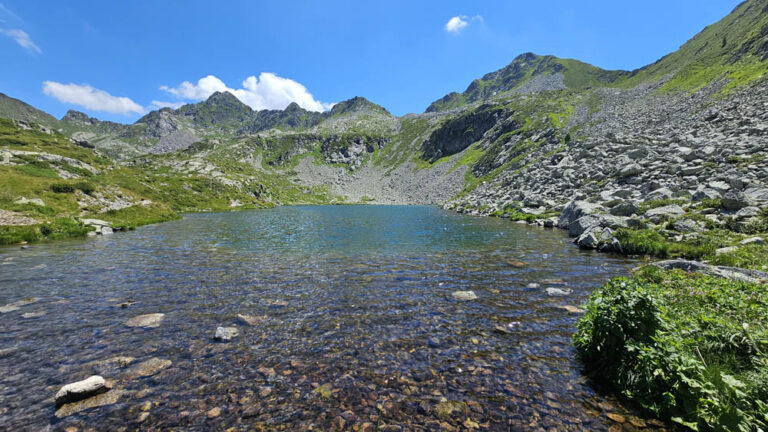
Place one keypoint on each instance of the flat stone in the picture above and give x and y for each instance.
(572, 309)
(464, 295)
(103, 399)
(148, 368)
(225, 334)
(10, 307)
(752, 240)
(558, 291)
(251, 320)
(726, 250)
(80, 390)
(148, 320)
(37, 314)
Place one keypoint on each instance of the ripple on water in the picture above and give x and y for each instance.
(356, 325)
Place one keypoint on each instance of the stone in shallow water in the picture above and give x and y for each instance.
(80, 390)
(146, 321)
(37, 314)
(148, 368)
(102, 399)
(10, 307)
(250, 320)
(464, 295)
(224, 334)
(558, 291)
(572, 309)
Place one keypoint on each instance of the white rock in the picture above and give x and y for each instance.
(225, 334)
(81, 390)
(464, 295)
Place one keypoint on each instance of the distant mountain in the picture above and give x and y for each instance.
(735, 48)
(17, 110)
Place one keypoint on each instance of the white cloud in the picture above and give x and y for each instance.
(163, 104)
(22, 38)
(458, 23)
(91, 98)
(268, 91)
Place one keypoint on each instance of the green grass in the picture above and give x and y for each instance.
(688, 348)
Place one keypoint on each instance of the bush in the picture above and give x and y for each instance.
(689, 348)
(62, 188)
(63, 228)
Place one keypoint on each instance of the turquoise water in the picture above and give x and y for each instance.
(356, 324)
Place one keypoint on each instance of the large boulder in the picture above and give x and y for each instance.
(574, 210)
(671, 210)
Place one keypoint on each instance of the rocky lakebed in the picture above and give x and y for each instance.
(304, 318)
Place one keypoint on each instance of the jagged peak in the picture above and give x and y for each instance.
(74, 115)
(224, 97)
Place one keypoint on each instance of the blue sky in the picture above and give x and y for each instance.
(116, 60)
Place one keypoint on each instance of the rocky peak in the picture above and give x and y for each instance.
(79, 118)
(357, 104)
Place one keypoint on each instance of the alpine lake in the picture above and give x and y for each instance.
(346, 318)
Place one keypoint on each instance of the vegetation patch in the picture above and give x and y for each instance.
(689, 348)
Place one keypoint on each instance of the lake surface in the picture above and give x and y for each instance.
(356, 326)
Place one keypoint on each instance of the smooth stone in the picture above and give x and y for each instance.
(148, 368)
(80, 390)
(225, 334)
(103, 399)
(558, 291)
(10, 307)
(147, 320)
(250, 320)
(37, 314)
(572, 309)
(726, 250)
(752, 240)
(464, 295)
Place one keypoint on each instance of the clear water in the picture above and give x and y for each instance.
(358, 324)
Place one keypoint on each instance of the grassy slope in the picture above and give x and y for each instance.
(169, 190)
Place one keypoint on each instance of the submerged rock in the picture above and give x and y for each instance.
(147, 321)
(225, 334)
(464, 295)
(250, 320)
(102, 399)
(80, 390)
(558, 291)
(148, 368)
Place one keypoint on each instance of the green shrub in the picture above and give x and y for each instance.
(18, 234)
(63, 228)
(689, 348)
(62, 188)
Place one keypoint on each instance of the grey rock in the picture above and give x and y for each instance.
(556, 292)
(732, 273)
(575, 210)
(753, 240)
(671, 210)
(624, 209)
(687, 226)
(81, 390)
